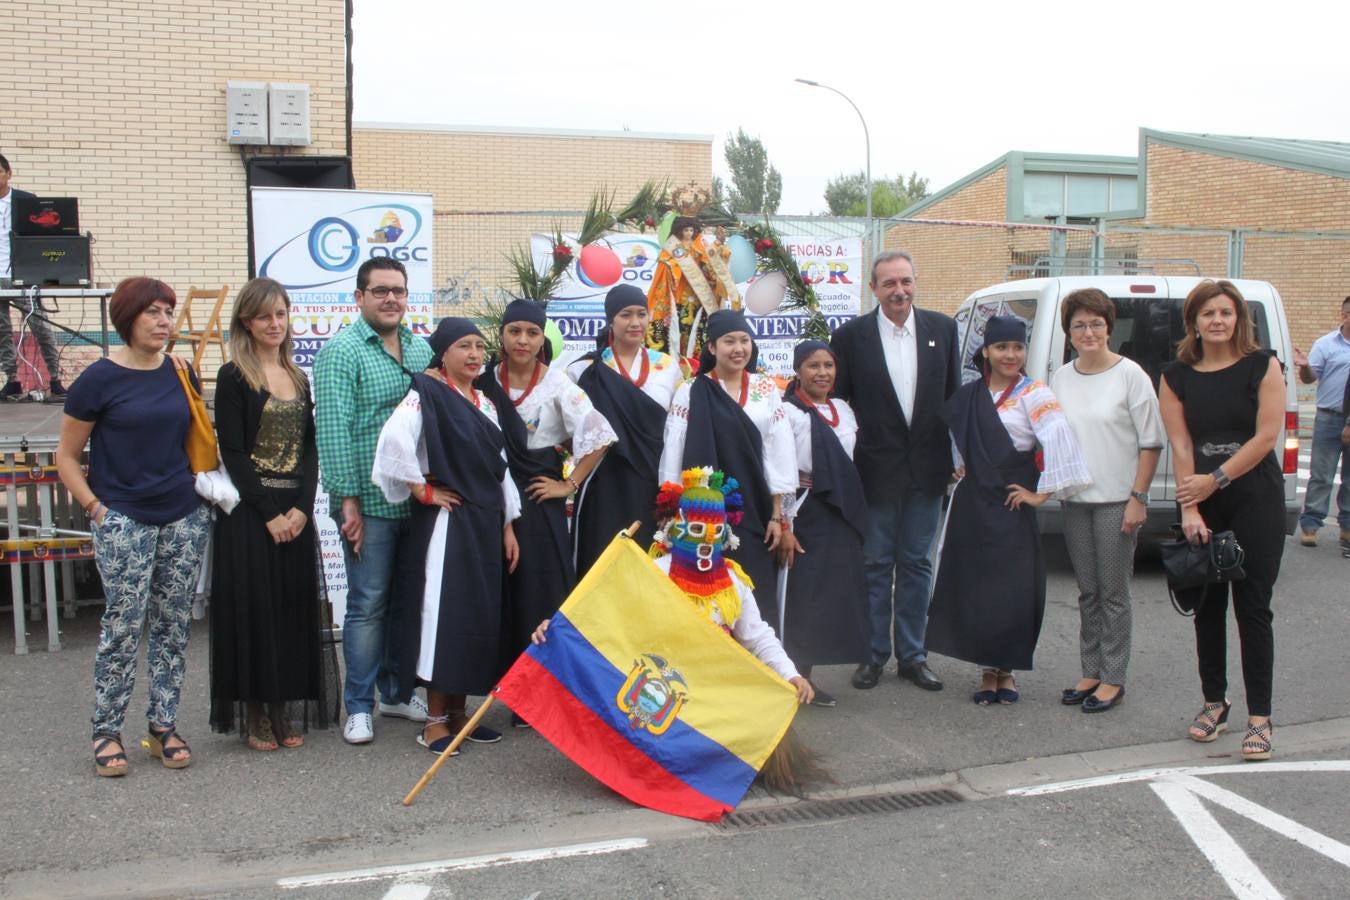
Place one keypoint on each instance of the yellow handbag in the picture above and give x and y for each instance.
(201, 436)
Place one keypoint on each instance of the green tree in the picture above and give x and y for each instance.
(846, 195)
(756, 186)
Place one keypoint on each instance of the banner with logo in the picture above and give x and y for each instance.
(313, 241)
(833, 266)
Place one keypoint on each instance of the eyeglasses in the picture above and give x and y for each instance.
(1083, 327)
(380, 292)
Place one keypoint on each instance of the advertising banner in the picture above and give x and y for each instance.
(313, 241)
(833, 266)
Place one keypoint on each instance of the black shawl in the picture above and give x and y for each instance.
(834, 478)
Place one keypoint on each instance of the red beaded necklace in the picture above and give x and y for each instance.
(472, 395)
(534, 380)
(745, 386)
(832, 419)
(623, 370)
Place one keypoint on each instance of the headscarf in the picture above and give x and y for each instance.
(1004, 328)
(721, 323)
(448, 331)
(622, 296)
(524, 311)
(804, 350)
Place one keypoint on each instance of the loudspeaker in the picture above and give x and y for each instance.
(61, 260)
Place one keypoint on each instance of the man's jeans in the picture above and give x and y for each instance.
(897, 556)
(1327, 450)
(369, 627)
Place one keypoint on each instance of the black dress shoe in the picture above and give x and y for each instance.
(1093, 705)
(920, 674)
(1073, 696)
(866, 676)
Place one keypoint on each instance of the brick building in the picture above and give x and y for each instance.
(1270, 209)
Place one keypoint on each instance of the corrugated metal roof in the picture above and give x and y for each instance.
(1326, 157)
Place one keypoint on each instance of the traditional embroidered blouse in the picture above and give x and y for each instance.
(557, 411)
(1033, 417)
(765, 407)
(401, 454)
(663, 374)
(846, 430)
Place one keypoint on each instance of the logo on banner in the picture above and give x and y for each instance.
(329, 251)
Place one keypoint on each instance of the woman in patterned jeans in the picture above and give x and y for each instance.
(148, 523)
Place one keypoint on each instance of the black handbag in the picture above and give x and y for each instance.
(1192, 567)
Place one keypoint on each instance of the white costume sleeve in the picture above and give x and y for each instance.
(1066, 472)
(677, 425)
(401, 454)
(754, 634)
(780, 451)
(587, 426)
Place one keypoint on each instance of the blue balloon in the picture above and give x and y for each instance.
(743, 260)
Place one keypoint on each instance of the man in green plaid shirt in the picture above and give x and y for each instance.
(360, 376)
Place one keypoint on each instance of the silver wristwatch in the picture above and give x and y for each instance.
(1141, 496)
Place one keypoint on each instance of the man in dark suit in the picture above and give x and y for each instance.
(9, 361)
(897, 366)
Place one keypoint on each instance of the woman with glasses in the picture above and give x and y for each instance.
(1110, 403)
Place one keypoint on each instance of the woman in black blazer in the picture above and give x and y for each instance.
(267, 603)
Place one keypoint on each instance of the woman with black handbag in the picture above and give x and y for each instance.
(1222, 401)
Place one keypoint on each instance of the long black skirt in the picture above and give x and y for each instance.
(827, 618)
(270, 626)
(989, 596)
(614, 497)
(544, 577)
(754, 556)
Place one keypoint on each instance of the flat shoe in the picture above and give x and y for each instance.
(823, 698)
(1093, 705)
(1073, 696)
(984, 698)
(437, 746)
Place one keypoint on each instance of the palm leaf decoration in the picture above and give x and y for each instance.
(599, 218)
(649, 203)
(773, 256)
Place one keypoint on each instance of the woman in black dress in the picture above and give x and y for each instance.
(268, 611)
(1222, 403)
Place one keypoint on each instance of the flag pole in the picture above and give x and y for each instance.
(449, 750)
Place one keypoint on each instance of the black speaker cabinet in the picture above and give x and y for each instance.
(61, 260)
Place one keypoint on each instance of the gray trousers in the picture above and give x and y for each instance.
(1103, 563)
(46, 340)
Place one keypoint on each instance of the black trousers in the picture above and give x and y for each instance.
(1252, 507)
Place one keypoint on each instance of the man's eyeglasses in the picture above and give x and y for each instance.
(1084, 327)
(381, 292)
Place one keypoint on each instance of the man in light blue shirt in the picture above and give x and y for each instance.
(1328, 363)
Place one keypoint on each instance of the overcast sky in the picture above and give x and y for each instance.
(945, 88)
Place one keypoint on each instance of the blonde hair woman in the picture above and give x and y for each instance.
(267, 608)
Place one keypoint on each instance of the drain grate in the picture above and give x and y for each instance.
(842, 808)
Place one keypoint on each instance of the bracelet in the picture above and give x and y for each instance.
(90, 505)
(572, 480)
(428, 493)
(1220, 478)
(94, 514)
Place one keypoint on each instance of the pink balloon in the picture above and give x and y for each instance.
(766, 293)
(600, 265)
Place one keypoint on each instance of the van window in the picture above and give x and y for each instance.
(970, 324)
(1148, 329)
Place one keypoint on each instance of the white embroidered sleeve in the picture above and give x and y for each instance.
(1065, 472)
(780, 453)
(677, 424)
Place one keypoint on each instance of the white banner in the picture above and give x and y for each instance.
(313, 241)
(834, 267)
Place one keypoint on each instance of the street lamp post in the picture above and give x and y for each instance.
(867, 139)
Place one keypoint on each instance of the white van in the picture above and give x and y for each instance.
(1148, 327)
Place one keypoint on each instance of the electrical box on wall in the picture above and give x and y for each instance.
(246, 112)
(289, 114)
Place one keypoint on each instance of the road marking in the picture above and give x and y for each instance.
(1265, 768)
(408, 892)
(350, 876)
(1229, 860)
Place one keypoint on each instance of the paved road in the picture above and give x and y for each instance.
(237, 820)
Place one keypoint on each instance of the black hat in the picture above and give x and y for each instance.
(448, 330)
(622, 296)
(805, 349)
(1004, 328)
(724, 322)
(524, 311)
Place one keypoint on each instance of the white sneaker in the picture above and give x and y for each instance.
(360, 729)
(415, 710)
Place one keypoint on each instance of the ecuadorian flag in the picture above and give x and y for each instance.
(647, 695)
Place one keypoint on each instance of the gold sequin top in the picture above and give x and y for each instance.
(281, 436)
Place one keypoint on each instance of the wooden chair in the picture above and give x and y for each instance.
(210, 333)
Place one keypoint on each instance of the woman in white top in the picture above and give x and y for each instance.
(825, 619)
(542, 413)
(732, 418)
(632, 386)
(1113, 409)
(442, 445)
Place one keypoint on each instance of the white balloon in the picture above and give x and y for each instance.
(765, 293)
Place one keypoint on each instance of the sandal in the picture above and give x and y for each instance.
(179, 757)
(1007, 695)
(1210, 722)
(1256, 744)
(102, 760)
(437, 746)
(260, 734)
(282, 728)
(988, 693)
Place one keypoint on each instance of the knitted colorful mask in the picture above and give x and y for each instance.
(697, 516)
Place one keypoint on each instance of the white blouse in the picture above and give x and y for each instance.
(750, 630)
(557, 412)
(1032, 416)
(401, 454)
(765, 407)
(800, 420)
(663, 376)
